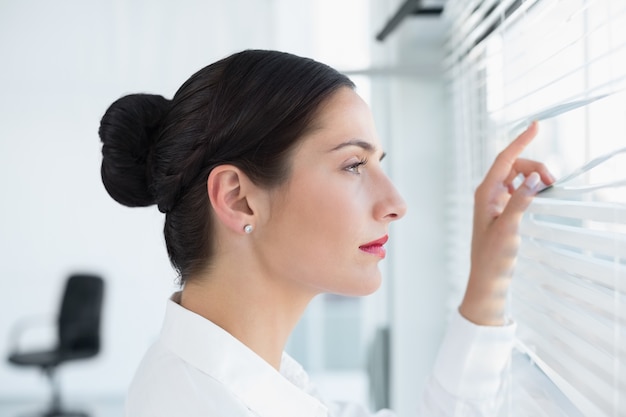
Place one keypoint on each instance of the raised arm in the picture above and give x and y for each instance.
(498, 209)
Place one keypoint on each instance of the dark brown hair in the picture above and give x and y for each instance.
(249, 109)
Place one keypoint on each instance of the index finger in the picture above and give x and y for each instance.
(503, 164)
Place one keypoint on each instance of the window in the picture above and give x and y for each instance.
(564, 63)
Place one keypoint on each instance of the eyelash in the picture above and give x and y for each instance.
(354, 168)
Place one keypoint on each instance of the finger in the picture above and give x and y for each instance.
(510, 180)
(527, 166)
(520, 200)
(506, 159)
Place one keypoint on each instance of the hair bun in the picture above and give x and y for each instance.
(128, 130)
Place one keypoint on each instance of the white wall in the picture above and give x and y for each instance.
(419, 283)
(63, 63)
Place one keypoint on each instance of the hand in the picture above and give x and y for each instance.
(498, 210)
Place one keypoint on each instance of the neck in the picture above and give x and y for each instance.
(257, 312)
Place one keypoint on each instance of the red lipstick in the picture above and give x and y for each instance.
(376, 247)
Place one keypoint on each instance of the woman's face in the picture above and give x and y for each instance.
(327, 224)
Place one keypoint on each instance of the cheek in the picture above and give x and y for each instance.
(326, 212)
(316, 223)
(316, 237)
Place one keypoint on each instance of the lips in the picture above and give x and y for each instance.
(376, 247)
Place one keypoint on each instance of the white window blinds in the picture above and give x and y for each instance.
(564, 63)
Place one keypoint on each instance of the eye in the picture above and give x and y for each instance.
(356, 167)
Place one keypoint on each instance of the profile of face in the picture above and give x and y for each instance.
(326, 226)
(305, 147)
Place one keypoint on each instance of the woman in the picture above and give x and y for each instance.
(268, 169)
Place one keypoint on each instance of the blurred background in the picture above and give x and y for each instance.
(450, 83)
(64, 62)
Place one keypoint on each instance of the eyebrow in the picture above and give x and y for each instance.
(359, 143)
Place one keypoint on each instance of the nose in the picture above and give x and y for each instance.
(389, 205)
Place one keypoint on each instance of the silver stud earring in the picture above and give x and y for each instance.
(248, 228)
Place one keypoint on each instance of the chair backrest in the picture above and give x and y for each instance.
(80, 316)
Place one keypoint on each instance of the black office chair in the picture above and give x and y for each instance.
(78, 335)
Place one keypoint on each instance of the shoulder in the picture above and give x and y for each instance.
(165, 385)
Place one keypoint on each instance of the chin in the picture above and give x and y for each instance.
(363, 287)
(372, 289)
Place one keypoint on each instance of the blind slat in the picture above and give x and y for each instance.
(585, 210)
(591, 392)
(589, 359)
(557, 313)
(605, 273)
(606, 243)
(593, 300)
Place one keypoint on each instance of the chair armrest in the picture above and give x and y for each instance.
(21, 326)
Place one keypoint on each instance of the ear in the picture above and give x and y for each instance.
(229, 191)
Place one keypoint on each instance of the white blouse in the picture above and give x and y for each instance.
(197, 369)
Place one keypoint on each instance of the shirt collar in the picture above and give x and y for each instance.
(256, 383)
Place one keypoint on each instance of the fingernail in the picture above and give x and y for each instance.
(532, 181)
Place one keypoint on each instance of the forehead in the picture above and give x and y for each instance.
(344, 116)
